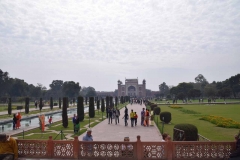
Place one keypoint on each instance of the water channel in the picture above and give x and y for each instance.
(34, 121)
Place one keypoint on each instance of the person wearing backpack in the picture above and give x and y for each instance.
(117, 114)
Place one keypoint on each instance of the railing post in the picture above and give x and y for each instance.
(139, 148)
(169, 150)
(50, 148)
(75, 147)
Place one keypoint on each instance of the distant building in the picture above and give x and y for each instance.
(132, 88)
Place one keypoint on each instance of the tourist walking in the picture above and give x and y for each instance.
(125, 117)
(135, 118)
(50, 121)
(117, 114)
(132, 118)
(142, 116)
(147, 115)
(110, 113)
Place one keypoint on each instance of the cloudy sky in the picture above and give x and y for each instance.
(97, 42)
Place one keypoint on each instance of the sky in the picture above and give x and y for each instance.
(98, 42)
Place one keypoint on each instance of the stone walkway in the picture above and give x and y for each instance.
(112, 132)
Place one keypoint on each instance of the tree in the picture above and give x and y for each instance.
(164, 89)
(26, 105)
(40, 104)
(202, 80)
(80, 108)
(234, 82)
(107, 102)
(210, 91)
(64, 113)
(181, 96)
(102, 105)
(91, 107)
(91, 92)
(71, 89)
(98, 105)
(51, 103)
(225, 92)
(56, 88)
(116, 101)
(3, 81)
(193, 93)
(9, 105)
(60, 103)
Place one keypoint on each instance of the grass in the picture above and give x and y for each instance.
(57, 126)
(197, 101)
(205, 128)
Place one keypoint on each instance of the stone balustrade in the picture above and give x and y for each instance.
(75, 149)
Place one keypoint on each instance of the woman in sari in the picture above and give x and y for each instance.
(19, 117)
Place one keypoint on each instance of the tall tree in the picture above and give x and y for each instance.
(9, 106)
(26, 105)
(107, 102)
(210, 92)
(80, 108)
(71, 89)
(91, 107)
(56, 88)
(193, 93)
(116, 101)
(60, 103)
(164, 89)
(64, 113)
(40, 104)
(98, 105)
(51, 103)
(102, 105)
(202, 80)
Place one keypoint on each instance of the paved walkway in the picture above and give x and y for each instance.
(111, 132)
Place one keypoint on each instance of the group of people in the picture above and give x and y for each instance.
(17, 121)
(113, 113)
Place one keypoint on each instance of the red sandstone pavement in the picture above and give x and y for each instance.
(111, 132)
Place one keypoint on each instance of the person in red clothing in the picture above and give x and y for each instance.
(50, 121)
(147, 117)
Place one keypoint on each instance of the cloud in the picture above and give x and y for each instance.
(132, 35)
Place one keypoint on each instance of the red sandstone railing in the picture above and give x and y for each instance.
(74, 149)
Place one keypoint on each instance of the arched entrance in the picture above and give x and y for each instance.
(131, 91)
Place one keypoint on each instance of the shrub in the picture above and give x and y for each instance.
(98, 104)
(153, 106)
(157, 110)
(51, 103)
(80, 108)
(190, 132)
(9, 106)
(27, 105)
(166, 117)
(64, 113)
(91, 107)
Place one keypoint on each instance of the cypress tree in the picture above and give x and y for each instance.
(91, 107)
(102, 105)
(86, 100)
(9, 106)
(51, 103)
(40, 104)
(64, 113)
(116, 101)
(26, 105)
(60, 103)
(67, 103)
(80, 108)
(98, 105)
(111, 101)
(107, 101)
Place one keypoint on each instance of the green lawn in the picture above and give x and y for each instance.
(192, 113)
(197, 101)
